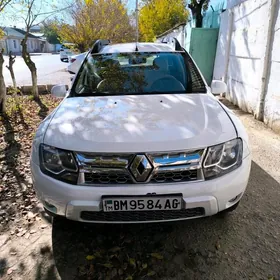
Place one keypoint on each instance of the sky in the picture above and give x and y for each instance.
(131, 4)
(8, 18)
(13, 15)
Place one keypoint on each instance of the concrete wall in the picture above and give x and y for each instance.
(178, 33)
(188, 34)
(222, 47)
(240, 57)
(272, 105)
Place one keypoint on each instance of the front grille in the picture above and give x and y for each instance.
(108, 178)
(170, 167)
(160, 177)
(174, 176)
(142, 216)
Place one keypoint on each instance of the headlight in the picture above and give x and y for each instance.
(59, 164)
(223, 158)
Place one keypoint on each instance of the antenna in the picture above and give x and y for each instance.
(137, 24)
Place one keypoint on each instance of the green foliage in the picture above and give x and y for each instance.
(92, 20)
(13, 91)
(13, 106)
(157, 16)
(50, 32)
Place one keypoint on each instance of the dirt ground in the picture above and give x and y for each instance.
(244, 245)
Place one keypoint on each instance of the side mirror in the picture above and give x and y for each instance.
(59, 91)
(218, 87)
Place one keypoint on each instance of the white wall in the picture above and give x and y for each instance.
(49, 47)
(247, 52)
(240, 57)
(272, 105)
(33, 45)
(232, 3)
(222, 47)
(188, 32)
(178, 34)
(11, 45)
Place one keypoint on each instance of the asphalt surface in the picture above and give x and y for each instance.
(50, 70)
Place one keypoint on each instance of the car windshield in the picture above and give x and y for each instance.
(133, 73)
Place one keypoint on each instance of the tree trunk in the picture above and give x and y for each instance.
(34, 82)
(11, 69)
(199, 17)
(2, 85)
(32, 67)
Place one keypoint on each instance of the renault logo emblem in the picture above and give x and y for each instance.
(140, 168)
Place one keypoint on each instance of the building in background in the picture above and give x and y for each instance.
(36, 43)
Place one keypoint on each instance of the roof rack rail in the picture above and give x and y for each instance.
(98, 45)
(172, 41)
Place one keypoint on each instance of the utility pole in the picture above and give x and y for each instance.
(137, 27)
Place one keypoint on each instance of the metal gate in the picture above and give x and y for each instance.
(203, 46)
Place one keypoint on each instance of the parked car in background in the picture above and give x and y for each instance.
(140, 137)
(65, 52)
(75, 62)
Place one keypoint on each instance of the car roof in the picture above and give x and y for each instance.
(142, 47)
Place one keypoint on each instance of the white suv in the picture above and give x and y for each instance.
(64, 54)
(140, 137)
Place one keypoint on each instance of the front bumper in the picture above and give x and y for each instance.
(75, 201)
(64, 56)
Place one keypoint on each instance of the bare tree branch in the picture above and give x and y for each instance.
(3, 4)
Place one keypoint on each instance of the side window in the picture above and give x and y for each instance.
(88, 80)
(15, 44)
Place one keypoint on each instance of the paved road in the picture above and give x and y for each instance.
(50, 70)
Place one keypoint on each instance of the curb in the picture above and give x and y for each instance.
(43, 89)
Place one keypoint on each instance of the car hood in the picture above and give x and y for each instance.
(139, 123)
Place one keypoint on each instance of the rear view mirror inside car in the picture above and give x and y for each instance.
(137, 60)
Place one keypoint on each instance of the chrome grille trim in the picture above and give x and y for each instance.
(87, 160)
(109, 168)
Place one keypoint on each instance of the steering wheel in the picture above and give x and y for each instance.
(167, 83)
(102, 85)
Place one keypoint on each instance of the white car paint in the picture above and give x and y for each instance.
(135, 124)
(75, 62)
(64, 54)
(139, 123)
(70, 200)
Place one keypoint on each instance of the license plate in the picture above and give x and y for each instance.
(141, 203)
